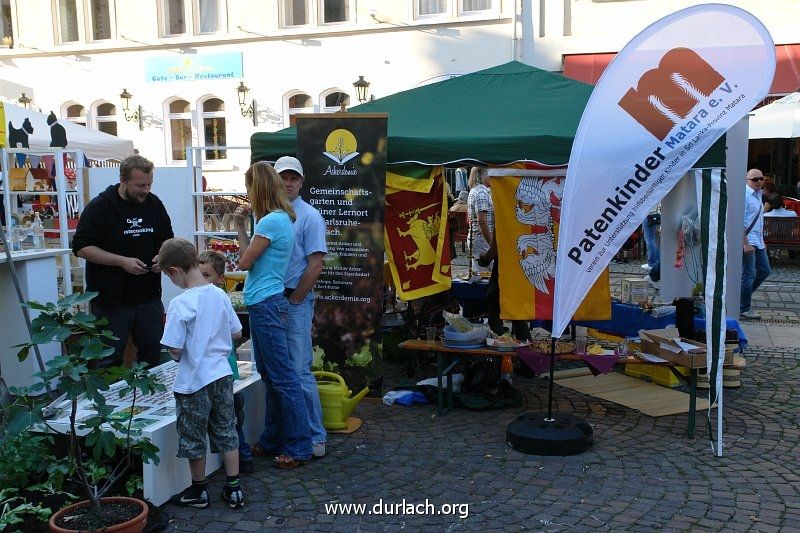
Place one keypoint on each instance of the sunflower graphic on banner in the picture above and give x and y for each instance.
(416, 239)
(527, 215)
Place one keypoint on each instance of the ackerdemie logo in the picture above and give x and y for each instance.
(670, 90)
(134, 222)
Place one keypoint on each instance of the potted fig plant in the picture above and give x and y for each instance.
(100, 447)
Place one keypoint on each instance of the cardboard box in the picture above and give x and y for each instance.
(667, 344)
(634, 290)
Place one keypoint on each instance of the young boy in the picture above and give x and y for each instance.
(198, 332)
(212, 266)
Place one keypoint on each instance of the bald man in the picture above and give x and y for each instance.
(755, 261)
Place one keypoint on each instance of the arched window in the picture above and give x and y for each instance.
(179, 119)
(333, 101)
(213, 115)
(299, 103)
(106, 117)
(77, 113)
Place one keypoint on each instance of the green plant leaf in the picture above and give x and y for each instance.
(146, 450)
(34, 305)
(78, 298)
(21, 419)
(102, 443)
(24, 352)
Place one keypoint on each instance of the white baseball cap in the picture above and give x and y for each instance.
(289, 163)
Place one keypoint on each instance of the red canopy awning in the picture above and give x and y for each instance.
(588, 68)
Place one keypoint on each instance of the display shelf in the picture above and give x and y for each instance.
(61, 194)
(216, 234)
(219, 193)
(39, 193)
(208, 212)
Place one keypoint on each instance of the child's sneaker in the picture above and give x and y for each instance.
(191, 498)
(233, 495)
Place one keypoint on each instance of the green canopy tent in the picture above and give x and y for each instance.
(511, 112)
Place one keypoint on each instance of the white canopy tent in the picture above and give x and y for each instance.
(778, 120)
(25, 128)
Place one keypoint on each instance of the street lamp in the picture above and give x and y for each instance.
(362, 89)
(136, 116)
(247, 111)
(24, 100)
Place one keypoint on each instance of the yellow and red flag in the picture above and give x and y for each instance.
(527, 215)
(416, 239)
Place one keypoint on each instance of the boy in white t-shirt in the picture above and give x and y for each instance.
(200, 327)
(212, 266)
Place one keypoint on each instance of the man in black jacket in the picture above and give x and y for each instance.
(119, 234)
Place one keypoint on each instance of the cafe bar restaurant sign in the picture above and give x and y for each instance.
(193, 68)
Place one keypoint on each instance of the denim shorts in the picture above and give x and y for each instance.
(208, 411)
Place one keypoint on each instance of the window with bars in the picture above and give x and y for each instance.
(179, 119)
(106, 117)
(68, 21)
(213, 116)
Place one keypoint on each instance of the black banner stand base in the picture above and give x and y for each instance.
(535, 434)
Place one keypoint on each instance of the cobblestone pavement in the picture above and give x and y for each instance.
(641, 474)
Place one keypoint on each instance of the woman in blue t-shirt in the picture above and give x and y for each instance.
(265, 257)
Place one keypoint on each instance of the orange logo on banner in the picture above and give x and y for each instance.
(673, 88)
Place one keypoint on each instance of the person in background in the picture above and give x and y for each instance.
(199, 330)
(773, 206)
(652, 234)
(651, 227)
(769, 186)
(212, 266)
(481, 216)
(304, 269)
(461, 179)
(755, 261)
(266, 257)
(119, 234)
(461, 203)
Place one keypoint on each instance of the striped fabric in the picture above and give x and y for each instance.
(712, 197)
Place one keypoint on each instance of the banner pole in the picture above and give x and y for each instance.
(551, 386)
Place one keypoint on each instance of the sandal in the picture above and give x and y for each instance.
(258, 451)
(286, 461)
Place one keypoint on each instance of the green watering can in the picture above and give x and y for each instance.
(337, 404)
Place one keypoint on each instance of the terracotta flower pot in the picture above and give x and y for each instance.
(134, 525)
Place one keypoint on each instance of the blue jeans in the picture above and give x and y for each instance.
(651, 240)
(286, 417)
(298, 338)
(755, 269)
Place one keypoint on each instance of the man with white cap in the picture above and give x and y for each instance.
(304, 268)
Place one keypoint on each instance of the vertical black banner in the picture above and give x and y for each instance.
(344, 158)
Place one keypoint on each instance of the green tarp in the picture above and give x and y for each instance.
(511, 112)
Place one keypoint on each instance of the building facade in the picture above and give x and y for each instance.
(181, 67)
